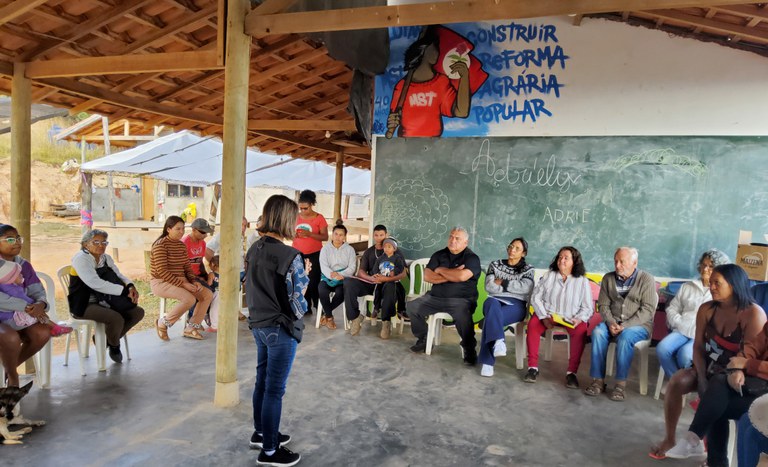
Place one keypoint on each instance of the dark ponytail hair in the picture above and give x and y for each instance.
(737, 278)
(169, 224)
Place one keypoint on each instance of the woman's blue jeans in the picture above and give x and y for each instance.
(497, 317)
(276, 350)
(675, 352)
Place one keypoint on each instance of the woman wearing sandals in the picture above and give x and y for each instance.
(337, 262)
(275, 283)
(172, 277)
(722, 325)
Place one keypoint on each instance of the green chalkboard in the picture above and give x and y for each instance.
(670, 197)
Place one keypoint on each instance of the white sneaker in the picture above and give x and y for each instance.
(500, 348)
(684, 450)
(487, 371)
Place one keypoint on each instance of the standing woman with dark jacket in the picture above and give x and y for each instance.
(275, 283)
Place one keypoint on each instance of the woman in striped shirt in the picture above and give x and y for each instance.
(561, 298)
(172, 277)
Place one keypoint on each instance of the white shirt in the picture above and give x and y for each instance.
(85, 266)
(682, 310)
(214, 244)
(342, 260)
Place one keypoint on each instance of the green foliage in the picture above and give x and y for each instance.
(47, 151)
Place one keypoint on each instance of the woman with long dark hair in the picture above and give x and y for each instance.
(172, 277)
(722, 327)
(275, 282)
(311, 232)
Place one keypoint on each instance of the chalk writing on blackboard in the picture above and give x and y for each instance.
(425, 208)
(667, 157)
(503, 171)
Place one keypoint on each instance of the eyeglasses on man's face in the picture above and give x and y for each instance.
(13, 240)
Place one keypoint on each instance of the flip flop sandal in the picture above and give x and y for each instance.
(617, 394)
(594, 389)
(658, 457)
(330, 323)
(193, 333)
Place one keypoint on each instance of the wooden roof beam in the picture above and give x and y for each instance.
(16, 9)
(142, 105)
(299, 141)
(79, 30)
(745, 11)
(147, 63)
(712, 25)
(296, 125)
(176, 26)
(457, 11)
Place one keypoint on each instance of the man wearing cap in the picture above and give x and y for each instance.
(453, 271)
(195, 243)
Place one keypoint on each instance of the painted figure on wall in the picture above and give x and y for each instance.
(441, 77)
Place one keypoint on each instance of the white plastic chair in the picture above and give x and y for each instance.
(642, 348)
(82, 330)
(320, 313)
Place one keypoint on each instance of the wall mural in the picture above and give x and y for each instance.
(469, 79)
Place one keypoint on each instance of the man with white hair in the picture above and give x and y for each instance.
(454, 272)
(627, 304)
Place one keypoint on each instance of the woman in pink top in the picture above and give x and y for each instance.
(311, 232)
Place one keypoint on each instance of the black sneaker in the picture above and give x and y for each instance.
(115, 354)
(571, 382)
(530, 377)
(257, 441)
(470, 357)
(420, 346)
(282, 456)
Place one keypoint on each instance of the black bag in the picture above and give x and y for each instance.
(755, 386)
(118, 303)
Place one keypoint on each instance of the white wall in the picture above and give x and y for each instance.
(626, 80)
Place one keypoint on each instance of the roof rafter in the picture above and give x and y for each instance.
(458, 11)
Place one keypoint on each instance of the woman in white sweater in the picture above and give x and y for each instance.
(337, 262)
(675, 351)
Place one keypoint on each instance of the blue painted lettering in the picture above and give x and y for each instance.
(529, 108)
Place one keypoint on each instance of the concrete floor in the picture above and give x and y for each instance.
(350, 402)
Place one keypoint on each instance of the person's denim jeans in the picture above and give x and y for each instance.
(625, 349)
(675, 352)
(750, 443)
(276, 350)
(497, 317)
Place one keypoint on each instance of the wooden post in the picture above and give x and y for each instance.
(337, 192)
(21, 166)
(21, 155)
(110, 185)
(86, 201)
(233, 197)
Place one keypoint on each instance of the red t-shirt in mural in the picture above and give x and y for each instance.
(424, 106)
(196, 253)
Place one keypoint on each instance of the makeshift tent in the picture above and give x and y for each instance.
(179, 157)
(193, 160)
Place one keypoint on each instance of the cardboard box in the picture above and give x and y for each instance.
(752, 258)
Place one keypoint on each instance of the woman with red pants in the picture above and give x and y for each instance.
(561, 298)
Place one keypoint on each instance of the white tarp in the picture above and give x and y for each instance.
(193, 160)
(300, 174)
(179, 157)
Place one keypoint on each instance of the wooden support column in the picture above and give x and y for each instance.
(21, 167)
(339, 180)
(233, 197)
(21, 155)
